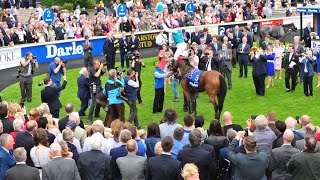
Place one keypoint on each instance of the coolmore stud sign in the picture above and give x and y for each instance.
(122, 10)
(190, 8)
(48, 16)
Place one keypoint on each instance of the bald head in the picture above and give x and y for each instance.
(290, 123)
(132, 146)
(304, 120)
(288, 136)
(227, 118)
(55, 150)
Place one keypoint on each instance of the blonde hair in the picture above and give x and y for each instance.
(13, 108)
(50, 121)
(44, 109)
(188, 170)
(64, 149)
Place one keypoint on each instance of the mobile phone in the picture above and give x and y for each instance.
(247, 132)
(22, 104)
(297, 119)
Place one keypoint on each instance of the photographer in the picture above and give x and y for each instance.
(136, 65)
(55, 70)
(96, 71)
(113, 91)
(130, 89)
(25, 74)
(50, 95)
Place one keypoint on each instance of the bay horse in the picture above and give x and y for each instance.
(278, 32)
(210, 81)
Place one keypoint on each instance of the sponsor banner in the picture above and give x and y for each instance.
(147, 40)
(315, 43)
(271, 23)
(10, 57)
(308, 10)
(296, 21)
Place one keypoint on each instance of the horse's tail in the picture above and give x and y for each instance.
(221, 95)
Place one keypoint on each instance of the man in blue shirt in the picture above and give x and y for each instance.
(55, 70)
(159, 76)
(177, 142)
(188, 127)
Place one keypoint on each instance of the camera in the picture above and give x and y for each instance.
(65, 62)
(105, 64)
(119, 72)
(41, 83)
(18, 73)
(122, 96)
(34, 57)
(207, 54)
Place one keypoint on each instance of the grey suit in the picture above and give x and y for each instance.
(132, 167)
(60, 169)
(300, 145)
(22, 171)
(278, 160)
(225, 65)
(88, 58)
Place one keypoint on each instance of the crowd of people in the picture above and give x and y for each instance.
(78, 23)
(34, 145)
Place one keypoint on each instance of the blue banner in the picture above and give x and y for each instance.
(64, 50)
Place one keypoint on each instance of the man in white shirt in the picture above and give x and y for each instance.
(161, 38)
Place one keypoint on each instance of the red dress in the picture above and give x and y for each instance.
(162, 59)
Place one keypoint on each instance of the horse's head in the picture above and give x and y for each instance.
(293, 27)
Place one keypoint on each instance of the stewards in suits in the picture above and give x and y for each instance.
(245, 33)
(255, 163)
(131, 166)
(280, 156)
(225, 66)
(87, 49)
(243, 51)
(163, 166)
(6, 159)
(216, 46)
(307, 68)
(206, 36)
(195, 36)
(94, 164)
(200, 157)
(25, 139)
(83, 90)
(109, 51)
(291, 69)
(234, 43)
(133, 43)
(186, 36)
(306, 164)
(21, 170)
(306, 34)
(59, 168)
(259, 71)
(50, 95)
(124, 48)
(298, 49)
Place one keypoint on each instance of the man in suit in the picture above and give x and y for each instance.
(63, 122)
(94, 164)
(225, 66)
(87, 49)
(266, 42)
(59, 167)
(216, 46)
(259, 71)
(208, 62)
(251, 160)
(200, 157)
(60, 31)
(8, 38)
(186, 36)
(307, 68)
(25, 139)
(109, 51)
(306, 164)
(6, 122)
(298, 50)
(21, 169)
(79, 132)
(124, 48)
(115, 153)
(202, 46)
(2, 41)
(83, 90)
(131, 166)
(50, 95)
(291, 69)
(206, 36)
(306, 35)
(280, 156)
(311, 130)
(133, 43)
(243, 51)
(237, 33)
(6, 159)
(234, 43)
(163, 166)
(195, 36)
(249, 38)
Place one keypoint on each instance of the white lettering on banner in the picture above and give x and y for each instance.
(315, 43)
(53, 51)
(10, 57)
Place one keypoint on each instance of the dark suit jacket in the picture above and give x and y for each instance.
(186, 35)
(6, 162)
(108, 47)
(206, 147)
(225, 61)
(278, 160)
(203, 63)
(29, 37)
(298, 50)
(115, 153)
(264, 45)
(245, 55)
(259, 65)
(7, 39)
(61, 169)
(308, 61)
(2, 43)
(218, 48)
(249, 40)
(87, 49)
(25, 139)
(208, 39)
(163, 167)
(83, 87)
(7, 125)
(124, 44)
(201, 158)
(306, 33)
(195, 38)
(135, 43)
(63, 122)
(294, 58)
(50, 96)
(22, 170)
(94, 164)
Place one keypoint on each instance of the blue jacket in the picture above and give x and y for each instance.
(307, 62)
(112, 87)
(83, 87)
(6, 162)
(131, 92)
(159, 76)
(124, 44)
(245, 55)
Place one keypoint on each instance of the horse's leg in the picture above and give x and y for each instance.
(193, 103)
(212, 96)
(187, 94)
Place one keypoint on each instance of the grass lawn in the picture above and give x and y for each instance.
(241, 101)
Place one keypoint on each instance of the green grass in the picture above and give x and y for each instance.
(241, 101)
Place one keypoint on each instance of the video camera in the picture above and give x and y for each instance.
(119, 72)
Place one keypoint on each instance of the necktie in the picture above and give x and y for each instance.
(305, 66)
(215, 46)
(295, 48)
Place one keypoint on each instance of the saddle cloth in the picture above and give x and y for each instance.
(194, 77)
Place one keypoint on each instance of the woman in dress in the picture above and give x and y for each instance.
(40, 152)
(78, 31)
(270, 55)
(278, 50)
(51, 34)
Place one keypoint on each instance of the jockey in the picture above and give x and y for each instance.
(177, 37)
